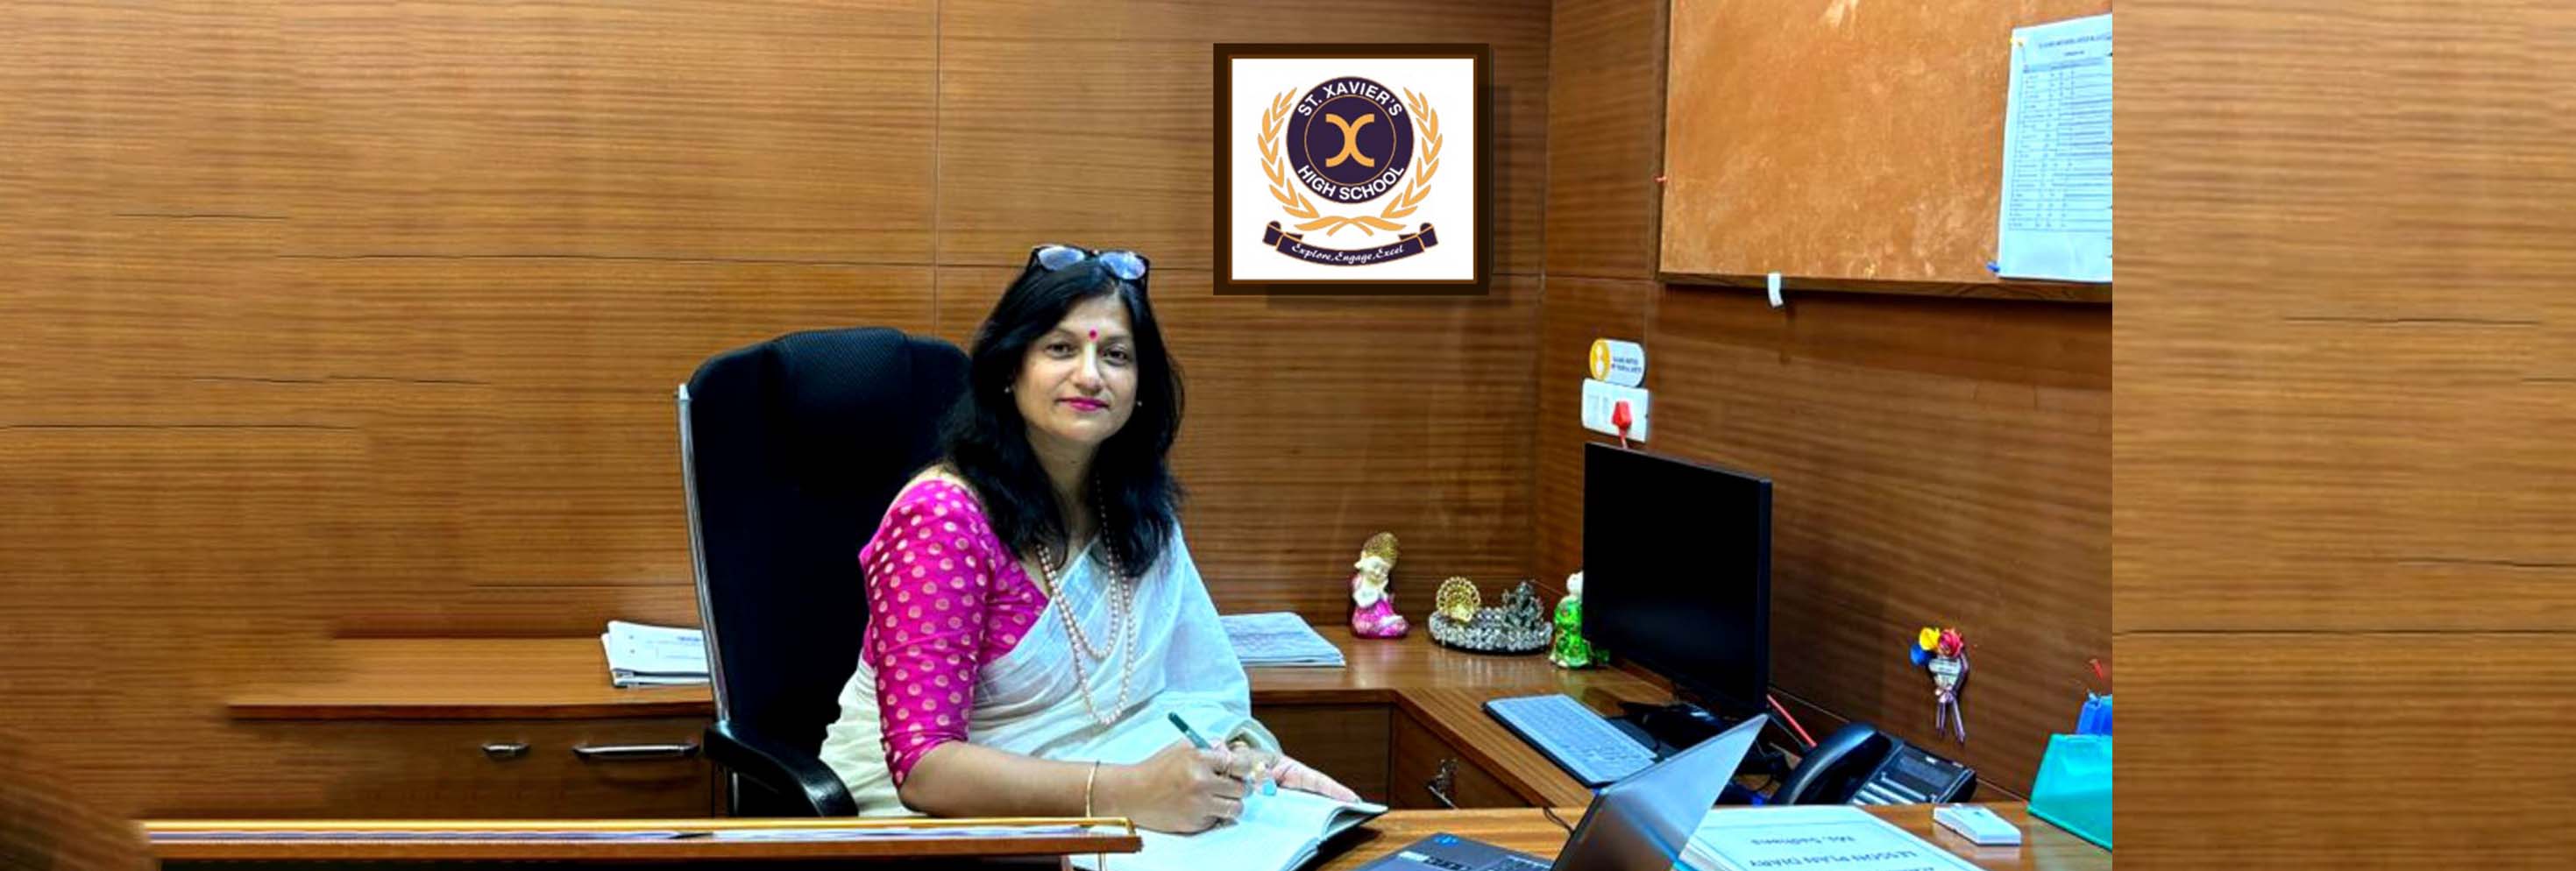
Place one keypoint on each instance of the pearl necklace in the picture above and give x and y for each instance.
(1122, 616)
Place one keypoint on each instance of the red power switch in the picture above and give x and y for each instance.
(1620, 418)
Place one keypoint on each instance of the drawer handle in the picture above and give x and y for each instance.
(505, 749)
(1443, 782)
(624, 752)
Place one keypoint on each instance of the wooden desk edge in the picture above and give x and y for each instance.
(306, 849)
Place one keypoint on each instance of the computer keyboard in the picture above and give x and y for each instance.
(1580, 741)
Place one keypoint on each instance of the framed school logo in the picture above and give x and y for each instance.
(1351, 169)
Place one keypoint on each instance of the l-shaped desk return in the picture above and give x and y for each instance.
(521, 727)
(456, 728)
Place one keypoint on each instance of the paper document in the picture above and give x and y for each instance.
(1277, 832)
(640, 655)
(1837, 837)
(1279, 638)
(2056, 214)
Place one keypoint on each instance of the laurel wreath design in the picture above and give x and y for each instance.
(1282, 188)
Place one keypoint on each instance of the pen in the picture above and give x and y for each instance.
(1268, 787)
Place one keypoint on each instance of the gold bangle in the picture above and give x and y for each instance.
(1087, 781)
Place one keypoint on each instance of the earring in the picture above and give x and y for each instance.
(1006, 388)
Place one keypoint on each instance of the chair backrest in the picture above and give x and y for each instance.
(792, 449)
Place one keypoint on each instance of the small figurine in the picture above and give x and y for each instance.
(1571, 651)
(1944, 652)
(1458, 600)
(1521, 610)
(1518, 625)
(1372, 607)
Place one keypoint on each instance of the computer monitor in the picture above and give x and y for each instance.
(1677, 572)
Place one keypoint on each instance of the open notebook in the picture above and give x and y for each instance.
(1277, 832)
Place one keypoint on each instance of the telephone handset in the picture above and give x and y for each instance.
(1858, 764)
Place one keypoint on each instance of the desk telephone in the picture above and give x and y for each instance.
(1858, 764)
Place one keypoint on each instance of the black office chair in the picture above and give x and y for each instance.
(792, 448)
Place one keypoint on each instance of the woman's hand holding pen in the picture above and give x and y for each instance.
(1180, 789)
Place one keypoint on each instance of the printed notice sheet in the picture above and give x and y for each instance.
(1808, 838)
(2056, 214)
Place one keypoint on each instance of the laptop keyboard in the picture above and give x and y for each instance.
(1512, 863)
(1582, 743)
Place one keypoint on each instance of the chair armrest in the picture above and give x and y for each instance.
(782, 768)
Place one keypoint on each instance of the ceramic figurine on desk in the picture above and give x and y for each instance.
(1521, 610)
(1571, 651)
(1372, 607)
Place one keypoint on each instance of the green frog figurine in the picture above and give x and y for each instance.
(1571, 650)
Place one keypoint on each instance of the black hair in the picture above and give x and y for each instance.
(987, 438)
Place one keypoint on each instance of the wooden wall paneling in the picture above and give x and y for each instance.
(2292, 720)
(1314, 423)
(2343, 387)
(1837, 140)
(1605, 143)
(1575, 312)
(783, 132)
(2351, 387)
(1087, 122)
(1934, 462)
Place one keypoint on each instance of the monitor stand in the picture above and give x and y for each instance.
(1674, 727)
(1668, 728)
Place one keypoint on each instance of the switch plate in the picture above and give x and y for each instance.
(1599, 397)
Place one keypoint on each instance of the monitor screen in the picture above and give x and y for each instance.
(1677, 572)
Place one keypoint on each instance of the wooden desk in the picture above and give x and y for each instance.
(370, 841)
(1524, 829)
(412, 716)
(1528, 830)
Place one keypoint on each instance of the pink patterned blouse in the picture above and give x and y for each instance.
(945, 597)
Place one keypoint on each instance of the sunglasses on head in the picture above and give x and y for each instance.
(1127, 265)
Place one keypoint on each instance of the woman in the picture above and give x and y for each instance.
(1000, 676)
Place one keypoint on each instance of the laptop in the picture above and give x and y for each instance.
(1637, 824)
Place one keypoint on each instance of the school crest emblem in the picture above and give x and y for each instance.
(1342, 169)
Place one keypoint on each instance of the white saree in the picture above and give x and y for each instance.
(1024, 702)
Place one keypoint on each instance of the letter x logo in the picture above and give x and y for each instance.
(1350, 139)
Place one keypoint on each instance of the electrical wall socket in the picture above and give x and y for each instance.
(1600, 397)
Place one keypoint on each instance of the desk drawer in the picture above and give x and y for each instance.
(1425, 772)
(644, 767)
(1347, 742)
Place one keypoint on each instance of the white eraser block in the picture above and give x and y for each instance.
(1979, 825)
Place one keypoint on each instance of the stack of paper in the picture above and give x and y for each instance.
(654, 656)
(1279, 638)
(1837, 836)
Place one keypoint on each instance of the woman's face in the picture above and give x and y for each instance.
(1077, 384)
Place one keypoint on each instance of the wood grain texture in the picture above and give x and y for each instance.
(1933, 462)
(1574, 313)
(2352, 386)
(1426, 773)
(1089, 123)
(463, 678)
(1528, 830)
(438, 769)
(2344, 386)
(1346, 741)
(1839, 140)
(1314, 423)
(1605, 147)
(556, 686)
(2451, 708)
(1108, 835)
(365, 318)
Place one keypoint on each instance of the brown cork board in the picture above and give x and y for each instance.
(1846, 144)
